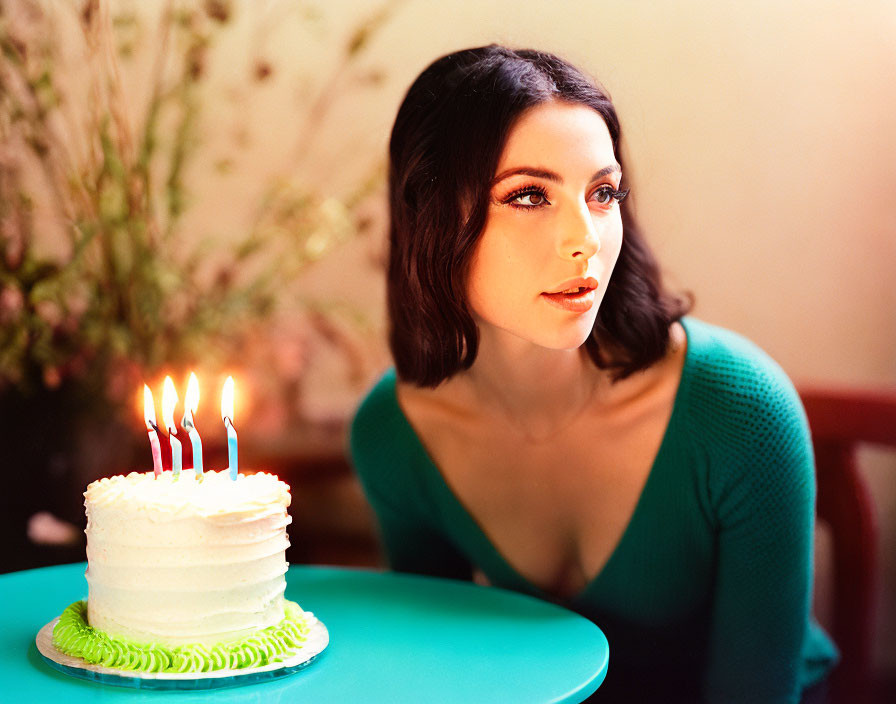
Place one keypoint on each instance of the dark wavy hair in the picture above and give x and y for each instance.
(445, 146)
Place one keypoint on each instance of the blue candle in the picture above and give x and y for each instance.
(227, 416)
(169, 401)
(231, 448)
(197, 449)
(191, 402)
(177, 461)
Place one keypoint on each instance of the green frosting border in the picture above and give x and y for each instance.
(74, 636)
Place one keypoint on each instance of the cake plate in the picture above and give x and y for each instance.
(317, 640)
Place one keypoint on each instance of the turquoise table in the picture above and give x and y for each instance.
(393, 638)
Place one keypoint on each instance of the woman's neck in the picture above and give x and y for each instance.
(534, 390)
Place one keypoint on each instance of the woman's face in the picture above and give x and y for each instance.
(553, 233)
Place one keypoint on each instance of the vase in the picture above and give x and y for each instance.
(54, 442)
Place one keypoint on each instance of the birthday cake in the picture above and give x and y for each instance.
(185, 573)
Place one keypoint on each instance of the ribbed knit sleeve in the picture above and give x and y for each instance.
(761, 495)
(385, 454)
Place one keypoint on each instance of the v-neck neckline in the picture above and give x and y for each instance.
(436, 481)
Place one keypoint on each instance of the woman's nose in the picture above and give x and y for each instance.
(578, 237)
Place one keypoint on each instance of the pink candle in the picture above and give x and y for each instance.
(149, 415)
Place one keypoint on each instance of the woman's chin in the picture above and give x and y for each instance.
(567, 339)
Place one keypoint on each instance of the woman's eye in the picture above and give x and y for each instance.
(603, 195)
(531, 199)
(606, 194)
(527, 198)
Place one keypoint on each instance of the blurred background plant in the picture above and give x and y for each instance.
(99, 282)
(106, 281)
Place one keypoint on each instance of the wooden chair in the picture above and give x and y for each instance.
(840, 421)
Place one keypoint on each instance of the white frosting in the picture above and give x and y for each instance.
(186, 560)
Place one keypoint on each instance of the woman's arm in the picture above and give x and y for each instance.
(765, 508)
(382, 451)
(410, 544)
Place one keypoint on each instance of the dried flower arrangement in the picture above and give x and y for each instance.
(99, 283)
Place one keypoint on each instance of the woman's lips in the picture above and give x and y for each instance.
(576, 302)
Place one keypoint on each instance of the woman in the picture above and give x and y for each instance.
(556, 423)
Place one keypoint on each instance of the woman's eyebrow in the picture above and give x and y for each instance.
(549, 175)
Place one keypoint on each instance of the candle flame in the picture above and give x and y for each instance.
(169, 401)
(191, 402)
(149, 408)
(227, 400)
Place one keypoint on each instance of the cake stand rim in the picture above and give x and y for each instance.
(317, 641)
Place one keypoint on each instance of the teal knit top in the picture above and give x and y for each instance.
(707, 595)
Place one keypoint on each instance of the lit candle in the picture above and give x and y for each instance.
(191, 403)
(149, 414)
(227, 415)
(169, 401)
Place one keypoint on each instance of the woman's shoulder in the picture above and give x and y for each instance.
(379, 397)
(733, 383)
(728, 362)
(385, 451)
(745, 416)
(377, 422)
